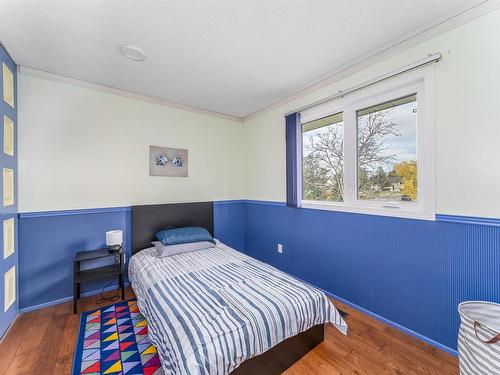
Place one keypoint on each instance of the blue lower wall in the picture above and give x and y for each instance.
(48, 242)
(229, 223)
(411, 272)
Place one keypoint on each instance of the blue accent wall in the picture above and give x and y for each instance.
(7, 212)
(411, 272)
(48, 243)
(229, 223)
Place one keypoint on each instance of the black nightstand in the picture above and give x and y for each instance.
(113, 270)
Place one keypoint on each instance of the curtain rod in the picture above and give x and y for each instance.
(431, 58)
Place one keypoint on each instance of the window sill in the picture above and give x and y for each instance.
(378, 211)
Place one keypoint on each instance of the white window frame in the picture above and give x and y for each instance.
(420, 82)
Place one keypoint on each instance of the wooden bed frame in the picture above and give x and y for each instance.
(149, 219)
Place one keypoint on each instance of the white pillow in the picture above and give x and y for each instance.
(169, 250)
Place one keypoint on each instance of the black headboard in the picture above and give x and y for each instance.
(149, 219)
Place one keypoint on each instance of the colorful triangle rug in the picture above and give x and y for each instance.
(114, 340)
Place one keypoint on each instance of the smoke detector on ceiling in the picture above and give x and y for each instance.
(132, 52)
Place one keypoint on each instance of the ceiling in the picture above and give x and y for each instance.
(228, 56)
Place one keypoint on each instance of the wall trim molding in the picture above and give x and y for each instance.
(82, 211)
(252, 201)
(468, 220)
(493, 222)
(269, 203)
(124, 93)
(229, 201)
(404, 43)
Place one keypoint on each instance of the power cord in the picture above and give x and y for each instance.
(116, 297)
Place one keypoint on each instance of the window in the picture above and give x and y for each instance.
(387, 151)
(323, 159)
(372, 151)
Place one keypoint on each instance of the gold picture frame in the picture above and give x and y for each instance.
(8, 136)
(8, 187)
(8, 238)
(9, 288)
(8, 85)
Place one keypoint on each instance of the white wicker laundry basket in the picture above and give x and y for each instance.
(479, 338)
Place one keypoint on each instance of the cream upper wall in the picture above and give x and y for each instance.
(83, 148)
(467, 121)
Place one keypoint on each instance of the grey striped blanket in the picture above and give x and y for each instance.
(210, 310)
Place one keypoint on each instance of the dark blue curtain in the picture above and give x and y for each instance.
(293, 136)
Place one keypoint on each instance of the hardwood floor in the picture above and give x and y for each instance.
(41, 342)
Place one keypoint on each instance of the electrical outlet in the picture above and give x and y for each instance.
(280, 248)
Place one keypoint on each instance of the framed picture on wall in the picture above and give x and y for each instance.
(9, 288)
(166, 161)
(8, 238)
(8, 187)
(8, 136)
(8, 85)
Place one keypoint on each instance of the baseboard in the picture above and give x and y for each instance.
(9, 328)
(62, 300)
(399, 327)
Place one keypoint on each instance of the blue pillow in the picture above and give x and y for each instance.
(177, 236)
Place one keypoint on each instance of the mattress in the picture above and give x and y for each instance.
(212, 309)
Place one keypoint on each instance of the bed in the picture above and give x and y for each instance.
(218, 311)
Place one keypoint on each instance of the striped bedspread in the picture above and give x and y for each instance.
(210, 310)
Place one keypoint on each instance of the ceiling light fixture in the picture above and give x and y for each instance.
(132, 52)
